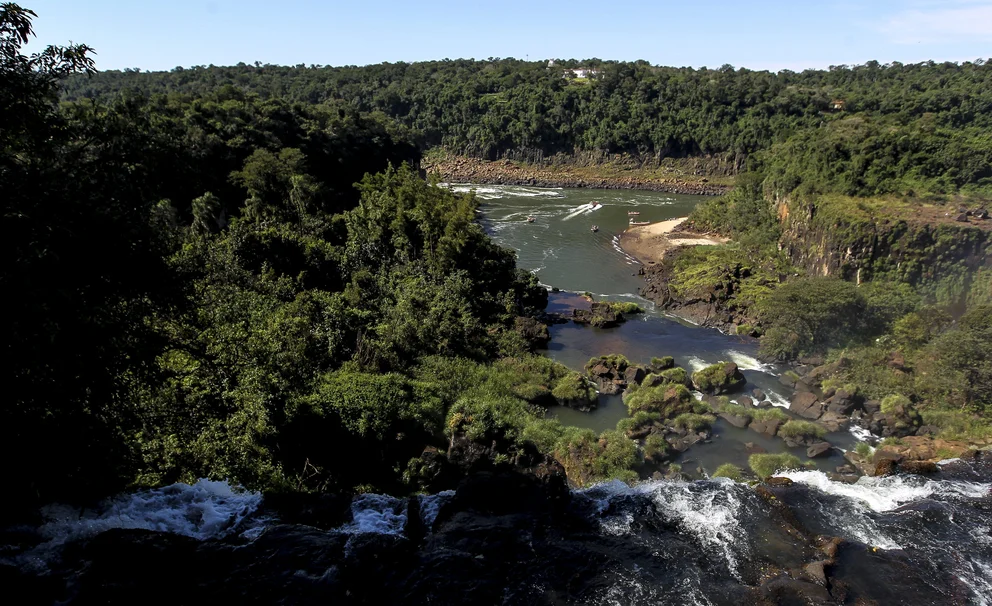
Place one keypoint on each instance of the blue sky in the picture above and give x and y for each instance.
(774, 35)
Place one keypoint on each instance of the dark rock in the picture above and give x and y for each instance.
(820, 449)
(928, 430)
(634, 374)
(817, 572)
(846, 469)
(833, 421)
(918, 467)
(872, 407)
(981, 214)
(779, 481)
(535, 333)
(735, 420)
(759, 396)
(963, 218)
(806, 404)
(768, 428)
(745, 401)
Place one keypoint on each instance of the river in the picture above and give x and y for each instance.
(559, 247)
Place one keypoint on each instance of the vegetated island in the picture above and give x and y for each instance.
(650, 243)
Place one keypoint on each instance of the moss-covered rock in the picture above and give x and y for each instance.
(662, 363)
(765, 465)
(729, 470)
(668, 400)
(574, 391)
(723, 377)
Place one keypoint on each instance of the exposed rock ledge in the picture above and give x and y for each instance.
(505, 172)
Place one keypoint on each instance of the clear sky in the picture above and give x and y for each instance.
(758, 34)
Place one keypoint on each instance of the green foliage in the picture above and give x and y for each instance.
(864, 450)
(765, 465)
(693, 422)
(637, 420)
(618, 361)
(895, 402)
(573, 387)
(626, 307)
(667, 400)
(716, 379)
(769, 414)
(729, 470)
(589, 459)
(655, 446)
(675, 375)
(663, 363)
(958, 424)
(807, 315)
(796, 428)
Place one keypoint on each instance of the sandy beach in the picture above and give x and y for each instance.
(649, 243)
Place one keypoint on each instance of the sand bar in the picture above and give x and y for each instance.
(649, 243)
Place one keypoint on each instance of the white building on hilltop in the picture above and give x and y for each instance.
(576, 72)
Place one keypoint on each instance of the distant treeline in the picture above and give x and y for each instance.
(859, 130)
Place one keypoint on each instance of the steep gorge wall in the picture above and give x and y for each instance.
(948, 259)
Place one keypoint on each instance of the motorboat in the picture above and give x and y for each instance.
(530, 219)
(632, 222)
(633, 212)
(594, 228)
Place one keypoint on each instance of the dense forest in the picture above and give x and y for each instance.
(239, 272)
(860, 130)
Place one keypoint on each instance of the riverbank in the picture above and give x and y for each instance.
(649, 243)
(458, 169)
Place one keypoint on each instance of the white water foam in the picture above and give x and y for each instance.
(746, 362)
(697, 364)
(376, 514)
(889, 492)
(202, 511)
(708, 511)
(862, 434)
(776, 399)
(578, 211)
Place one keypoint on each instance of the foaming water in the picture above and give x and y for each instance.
(697, 364)
(376, 514)
(205, 510)
(889, 492)
(708, 511)
(746, 362)
(430, 505)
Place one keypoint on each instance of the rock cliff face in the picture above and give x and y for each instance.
(938, 248)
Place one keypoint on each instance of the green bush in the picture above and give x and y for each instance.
(663, 363)
(801, 429)
(728, 470)
(894, 403)
(667, 399)
(693, 422)
(588, 459)
(675, 375)
(737, 409)
(655, 445)
(626, 308)
(765, 465)
(863, 449)
(637, 420)
(573, 387)
(714, 379)
(768, 414)
(618, 361)
(958, 424)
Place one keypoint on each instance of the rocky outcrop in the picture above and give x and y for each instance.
(600, 315)
(613, 374)
(721, 378)
(534, 332)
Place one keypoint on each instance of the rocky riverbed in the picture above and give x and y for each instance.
(505, 172)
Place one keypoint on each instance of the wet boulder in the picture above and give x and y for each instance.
(600, 315)
(738, 421)
(767, 427)
(634, 374)
(841, 402)
(806, 404)
(720, 378)
(819, 449)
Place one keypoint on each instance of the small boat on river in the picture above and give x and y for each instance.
(530, 219)
(632, 222)
(594, 228)
(633, 212)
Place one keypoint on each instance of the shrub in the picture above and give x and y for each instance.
(737, 409)
(637, 420)
(766, 465)
(620, 362)
(863, 449)
(958, 424)
(655, 446)
(663, 363)
(588, 459)
(894, 402)
(573, 387)
(693, 422)
(626, 308)
(768, 414)
(718, 378)
(675, 375)
(801, 429)
(667, 399)
(728, 470)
